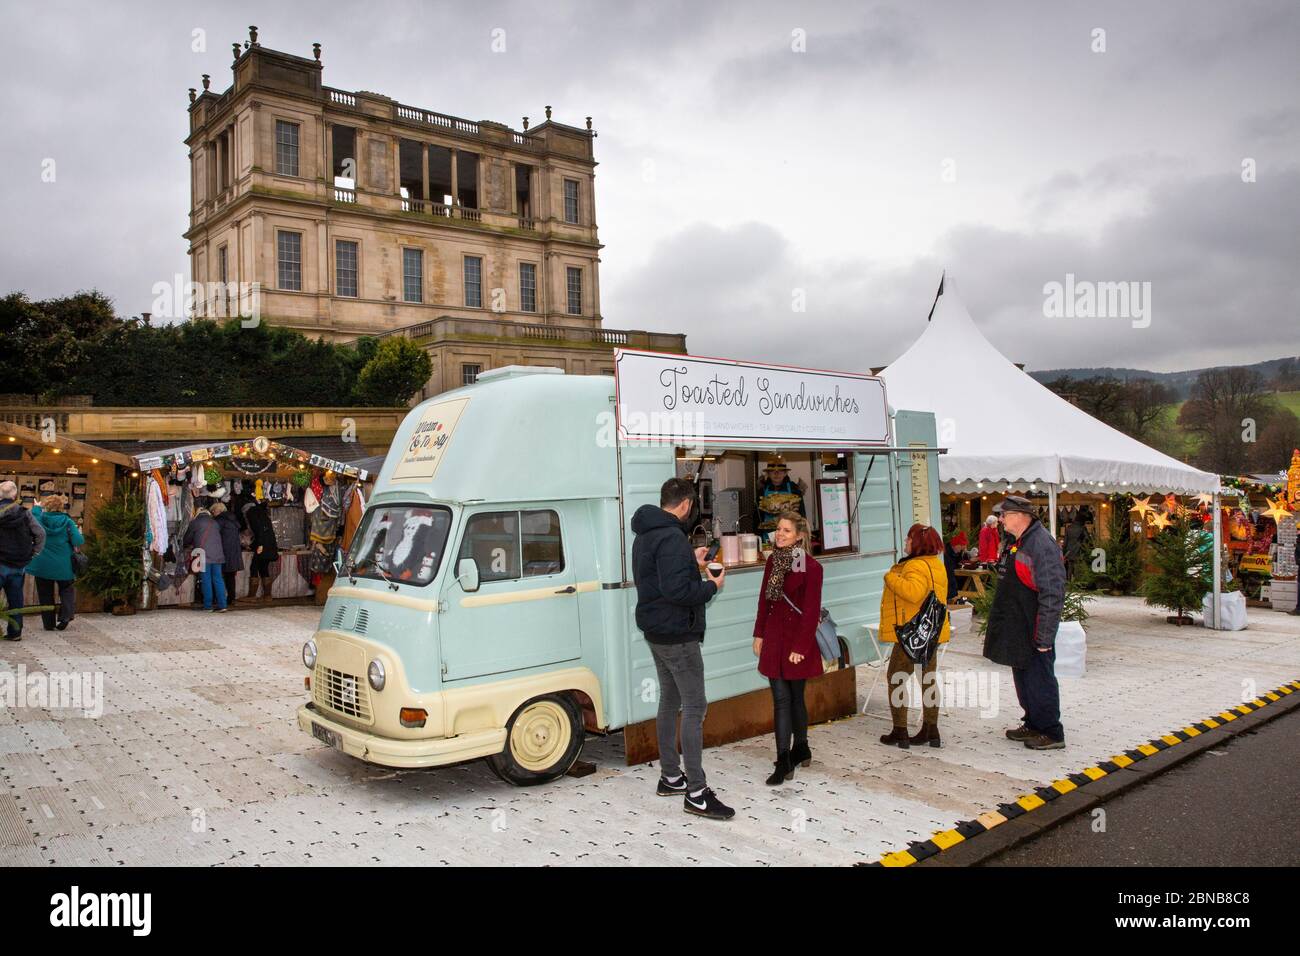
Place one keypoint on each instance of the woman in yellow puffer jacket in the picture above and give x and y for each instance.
(906, 585)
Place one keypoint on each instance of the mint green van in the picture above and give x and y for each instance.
(485, 606)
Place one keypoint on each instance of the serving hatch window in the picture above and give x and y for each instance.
(402, 543)
(742, 492)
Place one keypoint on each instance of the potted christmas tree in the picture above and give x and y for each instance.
(1179, 582)
(116, 568)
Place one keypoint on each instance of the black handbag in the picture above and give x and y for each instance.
(79, 561)
(920, 636)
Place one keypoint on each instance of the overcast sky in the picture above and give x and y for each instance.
(739, 175)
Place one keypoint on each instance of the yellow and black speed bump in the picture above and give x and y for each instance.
(968, 829)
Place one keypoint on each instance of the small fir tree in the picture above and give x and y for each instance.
(116, 567)
(1177, 583)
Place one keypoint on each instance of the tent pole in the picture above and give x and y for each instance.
(1218, 570)
(1051, 509)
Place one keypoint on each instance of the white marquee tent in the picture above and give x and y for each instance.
(1001, 427)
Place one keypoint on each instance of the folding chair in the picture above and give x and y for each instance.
(881, 665)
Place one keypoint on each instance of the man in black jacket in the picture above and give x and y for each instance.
(670, 600)
(1022, 623)
(21, 538)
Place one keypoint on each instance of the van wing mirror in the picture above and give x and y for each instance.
(467, 574)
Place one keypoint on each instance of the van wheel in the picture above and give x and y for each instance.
(543, 739)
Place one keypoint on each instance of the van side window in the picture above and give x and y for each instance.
(542, 547)
(492, 540)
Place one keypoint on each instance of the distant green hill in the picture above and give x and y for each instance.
(1180, 382)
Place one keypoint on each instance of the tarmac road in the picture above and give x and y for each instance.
(1235, 805)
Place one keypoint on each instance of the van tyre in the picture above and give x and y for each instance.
(543, 739)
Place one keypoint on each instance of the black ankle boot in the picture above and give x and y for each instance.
(928, 734)
(783, 772)
(800, 755)
(896, 736)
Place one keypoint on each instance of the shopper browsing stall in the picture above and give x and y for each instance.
(207, 556)
(53, 568)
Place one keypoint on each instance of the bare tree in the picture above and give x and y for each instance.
(1147, 400)
(1228, 406)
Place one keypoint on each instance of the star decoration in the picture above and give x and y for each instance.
(1205, 499)
(1277, 509)
(1161, 521)
(1142, 506)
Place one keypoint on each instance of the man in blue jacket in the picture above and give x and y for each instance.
(670, 600)
(1022, 622)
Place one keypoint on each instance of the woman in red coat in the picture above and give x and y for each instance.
(785, 638)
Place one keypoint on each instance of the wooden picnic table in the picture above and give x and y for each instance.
(973, 581)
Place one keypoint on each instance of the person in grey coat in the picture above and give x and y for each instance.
(1022, 622)
(207, 557)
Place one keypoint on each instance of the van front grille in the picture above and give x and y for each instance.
(339, 612)
(346, 694)
(363, 620)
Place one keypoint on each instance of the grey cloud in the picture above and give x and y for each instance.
(1160, 123)
(1218, 253)
(889, 42)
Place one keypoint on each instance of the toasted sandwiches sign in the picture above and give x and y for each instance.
(693, 400)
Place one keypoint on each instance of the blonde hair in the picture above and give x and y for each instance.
(801, 527)
(54, 503)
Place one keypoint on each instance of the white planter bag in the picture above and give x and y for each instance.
(1232, 611)
(1071, 649)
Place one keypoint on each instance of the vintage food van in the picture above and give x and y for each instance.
(485, 607)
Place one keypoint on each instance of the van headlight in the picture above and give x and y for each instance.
(309, 654)
(376, 675)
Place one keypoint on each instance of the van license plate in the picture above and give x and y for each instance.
(326, 736)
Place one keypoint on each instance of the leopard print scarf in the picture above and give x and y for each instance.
(781, 561)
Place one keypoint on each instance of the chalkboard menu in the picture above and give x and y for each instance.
(833, 515)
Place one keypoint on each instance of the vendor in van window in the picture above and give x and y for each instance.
(777, 492)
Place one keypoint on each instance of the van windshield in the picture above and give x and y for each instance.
(399, 543)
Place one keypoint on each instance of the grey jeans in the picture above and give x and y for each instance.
(681, 688)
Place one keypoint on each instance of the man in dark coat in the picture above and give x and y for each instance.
(21, 538)
(670, 600)
(228, 525)
(954, 553)
(265, 550)
(1022, 623)
(1076, 541)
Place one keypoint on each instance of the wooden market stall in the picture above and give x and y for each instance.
(313, 503)
(44, 463)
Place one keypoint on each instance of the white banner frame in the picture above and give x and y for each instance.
(639, 378)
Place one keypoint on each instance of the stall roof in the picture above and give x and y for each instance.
(158, 457)
(28, 436)
(326, 446)
(1000, 425)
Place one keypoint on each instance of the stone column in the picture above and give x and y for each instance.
(455, 177)
(424, 161)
